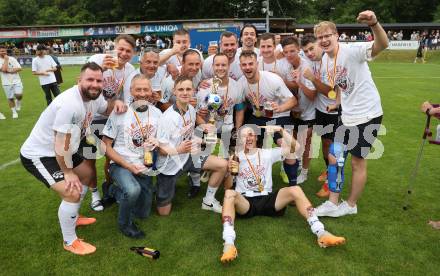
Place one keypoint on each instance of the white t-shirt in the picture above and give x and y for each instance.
(156, 83)
(168, 87)
(225, 122)
(273, 67)
(67, 113)
(42, 64)
(262, 162)
(239, 50)
(176, 60)
(360, 98)
(305, 105)
(271, 88)
(10, 78)
(126, 133)
(234, 69)
(114, 79)
(322, 101)
(173, 129)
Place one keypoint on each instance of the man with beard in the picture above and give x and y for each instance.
(116, 71)
(231, 97)
(268, 61)
(228, 46)
(266, 91)
(129, 138)
(349, 76)
(149, 67)
(254, 194)
(49, 153)
(248, 38)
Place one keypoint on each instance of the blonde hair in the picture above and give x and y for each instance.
(325, 25)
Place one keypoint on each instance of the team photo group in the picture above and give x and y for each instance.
(225, 119)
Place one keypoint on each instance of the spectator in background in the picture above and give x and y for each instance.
(58, 75)
(44, 67)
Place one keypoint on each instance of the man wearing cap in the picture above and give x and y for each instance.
(44, 67)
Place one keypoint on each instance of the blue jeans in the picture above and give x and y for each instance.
(133, 192)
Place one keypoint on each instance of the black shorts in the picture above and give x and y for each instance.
(166, 184)
(46, 169)
(326, 122)
(359, 139)
(298, 122)
(263, 206)
(263, 121)
(87, 151)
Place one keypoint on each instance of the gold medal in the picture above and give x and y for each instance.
(90, 140)
(257, 113)
(331, 94)
(260, 185)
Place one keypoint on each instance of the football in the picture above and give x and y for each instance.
(214, 101)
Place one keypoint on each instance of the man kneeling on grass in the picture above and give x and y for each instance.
(253, 195)
(130, 139)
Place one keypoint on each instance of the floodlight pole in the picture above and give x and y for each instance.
(267, 17)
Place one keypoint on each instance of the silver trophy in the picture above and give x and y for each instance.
(214, 103)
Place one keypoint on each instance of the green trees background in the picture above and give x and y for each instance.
(49, 12)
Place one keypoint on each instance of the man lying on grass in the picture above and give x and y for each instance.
(253, 195)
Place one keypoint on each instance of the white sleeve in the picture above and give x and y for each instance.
(15, 63)
(281, 88)
(110, 130)
(98, 59)
(207, 68)
(362, 51)
(64, 117)
(52, 62)
(164, 130)
(34, 65)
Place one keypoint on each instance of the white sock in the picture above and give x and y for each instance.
(304, 171)
(13, 110)
(67, 215)
(316, 226)
(83, 193)
(95, 194)
(228, 233)
(195, 177)
(210, 192)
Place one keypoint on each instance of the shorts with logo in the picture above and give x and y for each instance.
(166, 184)
(360, 147)
(13, 89)
(263, 206)
(46, 169)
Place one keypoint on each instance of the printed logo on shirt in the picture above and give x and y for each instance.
(345, 84)
(112, 84)
(135, 139)
(250, 183)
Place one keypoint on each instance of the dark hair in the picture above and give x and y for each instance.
(219, 55)
(2, 46)
(247, 25)
(181, 79)
(267, 36)
(91, 66)
(248, 53)
(227, 34)
(289, 41)
(306, 39)
(130, 40)
(189, 52)
(180, 32)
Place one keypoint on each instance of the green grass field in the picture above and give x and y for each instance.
(381, 240)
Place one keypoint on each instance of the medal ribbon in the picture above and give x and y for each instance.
(257, 178)
(331, 79)
(138, 121)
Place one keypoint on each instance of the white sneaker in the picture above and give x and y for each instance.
(301, 178)
(14, 115)
(327, 209)
(212, 206)
(2, 117)
(345, 209)
(97, 206)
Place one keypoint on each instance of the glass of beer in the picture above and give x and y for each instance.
(115, 59)
(268, 109)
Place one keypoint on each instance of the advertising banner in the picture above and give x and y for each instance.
(164, 28)
(128, 29)
(37, 33)
(71, 32)
(13, 34)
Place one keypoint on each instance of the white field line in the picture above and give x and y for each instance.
(404, 77)
(4, 166)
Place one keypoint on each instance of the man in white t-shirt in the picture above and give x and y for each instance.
(11, 81)
(114, 76)
(271, 102)
(254, 195)
(128, 137)
(179, 151)
(267, 60)
(361, 108)
(326, 118)
(44, 67)
(149, 67)
(50, 151)
(248, 39)
(232, 99)
(228, 46)
(292, 70)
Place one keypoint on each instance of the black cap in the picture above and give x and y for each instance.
(41, 47)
